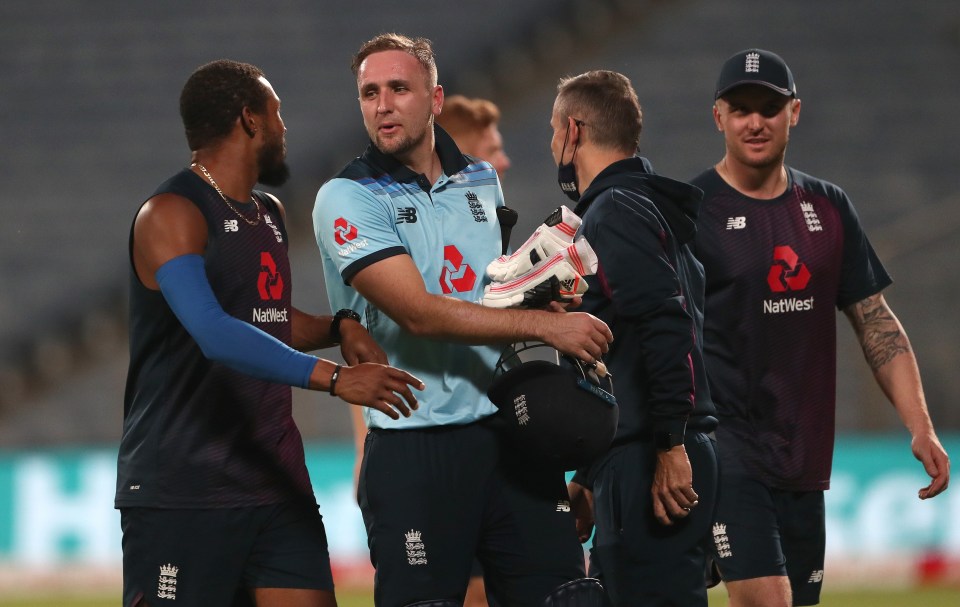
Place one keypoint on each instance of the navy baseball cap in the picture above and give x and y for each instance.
(756, 66)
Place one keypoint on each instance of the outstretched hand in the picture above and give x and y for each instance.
(380, 387)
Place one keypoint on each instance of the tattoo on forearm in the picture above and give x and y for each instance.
(879, 332)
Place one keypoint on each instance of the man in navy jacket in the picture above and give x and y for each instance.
(652, 494)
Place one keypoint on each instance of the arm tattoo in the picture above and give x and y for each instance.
(877, 329)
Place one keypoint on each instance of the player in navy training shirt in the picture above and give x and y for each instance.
(215, 500)
(781, 250)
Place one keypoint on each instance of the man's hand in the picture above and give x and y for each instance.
(673, 494)
(927, 448)
(581, 502)
(357, 345)
(564, 306)
(381, 387)
(580, 335)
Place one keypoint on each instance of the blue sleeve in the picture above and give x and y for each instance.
(223, 338)
(355, 227)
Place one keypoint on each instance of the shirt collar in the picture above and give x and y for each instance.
(451, 159)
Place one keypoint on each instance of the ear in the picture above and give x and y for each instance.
(573, 131)
(248, 122)
(716, 118)
(795, 113)
(437, 105)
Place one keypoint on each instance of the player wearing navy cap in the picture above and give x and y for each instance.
(781, 250)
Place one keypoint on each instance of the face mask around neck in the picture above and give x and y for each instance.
(567, 173)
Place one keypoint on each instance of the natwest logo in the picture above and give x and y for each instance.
(456, 276)
(787, 272)
(343, 231)
(270, 282)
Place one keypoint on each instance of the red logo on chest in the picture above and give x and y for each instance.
(787, 272)
(270, 282)
(456, 276)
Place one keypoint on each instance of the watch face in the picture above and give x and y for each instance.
(346, 313)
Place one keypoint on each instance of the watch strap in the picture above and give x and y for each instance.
(335, 324)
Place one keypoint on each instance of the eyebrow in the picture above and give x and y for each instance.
(393, 83)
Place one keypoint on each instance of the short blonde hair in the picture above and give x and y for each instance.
(419, 48)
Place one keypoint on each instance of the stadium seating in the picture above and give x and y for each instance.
(90, 116)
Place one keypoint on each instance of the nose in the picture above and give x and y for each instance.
(755, 121)
(384, 102)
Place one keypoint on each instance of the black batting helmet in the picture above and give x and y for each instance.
(555, 408)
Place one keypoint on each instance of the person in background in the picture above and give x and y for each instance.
(216, 505)
(473, 124)
(405, 232)
(782, 249)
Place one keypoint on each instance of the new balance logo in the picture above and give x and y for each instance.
(736, 223)
(563, 506)
(231, 225)
(406, 215)
(816, 577)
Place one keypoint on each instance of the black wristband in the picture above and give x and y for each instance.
(335, 324)
(333, 380)
(665, 441)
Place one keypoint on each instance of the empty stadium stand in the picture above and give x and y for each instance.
(89, 111)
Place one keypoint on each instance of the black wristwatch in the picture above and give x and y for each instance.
(335, 325)
(665, 441)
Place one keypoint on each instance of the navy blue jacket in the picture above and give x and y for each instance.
(649, 289)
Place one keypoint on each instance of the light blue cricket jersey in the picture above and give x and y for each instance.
(376, 208)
